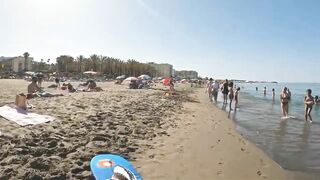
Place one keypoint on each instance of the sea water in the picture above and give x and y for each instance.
(293, 143)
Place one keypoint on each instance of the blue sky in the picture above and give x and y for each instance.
(243, 39)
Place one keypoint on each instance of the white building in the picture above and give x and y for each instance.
(162, 70)
(15, 64)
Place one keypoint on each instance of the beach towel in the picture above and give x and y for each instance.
(22, 117)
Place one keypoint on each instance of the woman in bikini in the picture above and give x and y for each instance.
(308, 101)
(284, 99)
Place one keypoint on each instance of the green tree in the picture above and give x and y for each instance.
(26, 56)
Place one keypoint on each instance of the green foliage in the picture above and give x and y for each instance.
(108, 66)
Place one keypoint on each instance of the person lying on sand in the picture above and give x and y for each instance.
(35, 91)
(70, 88)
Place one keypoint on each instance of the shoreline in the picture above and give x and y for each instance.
(182, 137)
(205, 145)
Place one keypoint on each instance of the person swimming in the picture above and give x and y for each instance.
(284, 99)
(308, 101)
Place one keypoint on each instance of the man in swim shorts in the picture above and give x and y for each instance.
(225, 91)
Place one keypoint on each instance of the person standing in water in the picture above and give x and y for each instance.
(289, 93)
(265, 91)
(273, 94)
(308, 101)
(236, 98)
(225, 91)
(231, 94)
(284, 99)
(256, 88)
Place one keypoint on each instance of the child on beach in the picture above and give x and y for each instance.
(284, 99)
(236, 97)
(308, 101)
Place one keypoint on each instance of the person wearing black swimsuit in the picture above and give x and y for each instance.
(284, 99)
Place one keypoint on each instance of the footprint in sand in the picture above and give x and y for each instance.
(219, 173)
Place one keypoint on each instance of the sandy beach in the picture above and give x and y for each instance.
(181, 137)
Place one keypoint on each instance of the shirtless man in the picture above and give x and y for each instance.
(225, 91)
(284, 99)
(308, 101)
(33, 88)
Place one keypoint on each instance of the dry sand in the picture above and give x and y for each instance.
(117, 120)
(166, 138)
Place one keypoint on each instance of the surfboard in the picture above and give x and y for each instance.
(106, 166)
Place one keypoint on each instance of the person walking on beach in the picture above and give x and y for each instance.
(209, 88)
(215, 90)
(284, 102)
(308, 101)
(236, 98)
(225, 91)
(231, 94)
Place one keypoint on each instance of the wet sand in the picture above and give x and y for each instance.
(184, 137)
(205, 145)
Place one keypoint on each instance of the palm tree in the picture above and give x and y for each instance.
(94, 58)
(80, 60)
(26, 56)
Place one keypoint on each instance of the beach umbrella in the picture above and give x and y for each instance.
(144, 77)
(166, 81)
(129, 79)
(29, 73)
(121, 77)
(90, 72)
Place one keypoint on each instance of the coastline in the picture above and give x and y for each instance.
(183, 137)
(205, 145)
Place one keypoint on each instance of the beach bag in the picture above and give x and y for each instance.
(21, 101)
